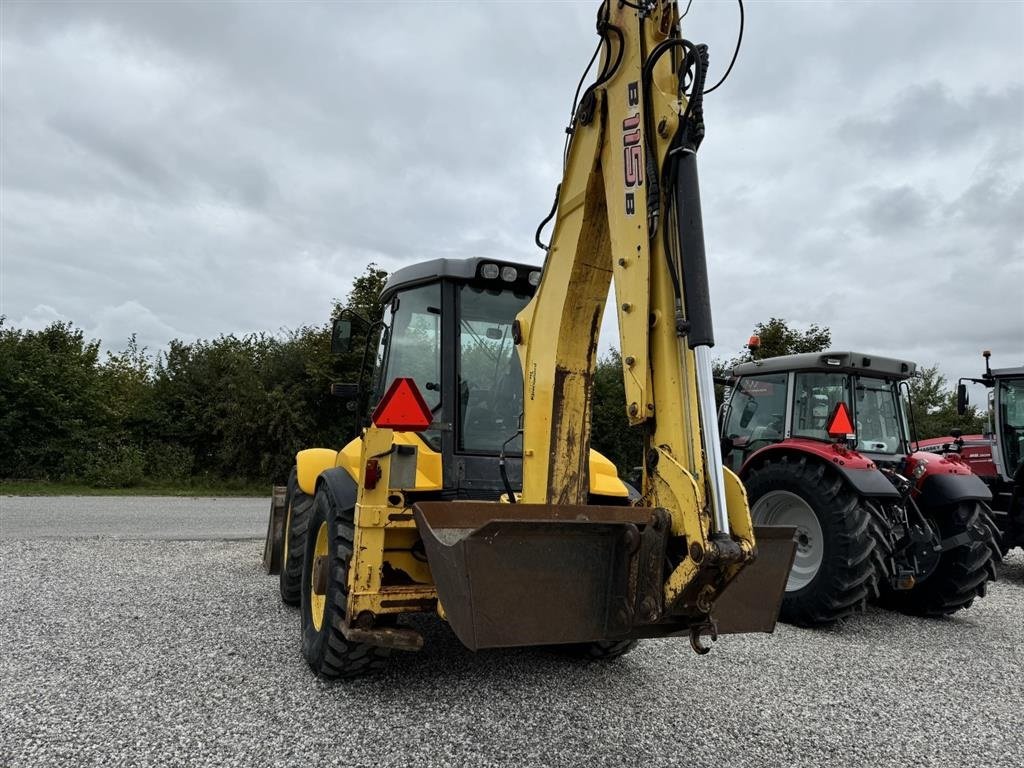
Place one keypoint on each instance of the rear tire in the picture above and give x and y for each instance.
(833, 570)
(962, 573)
(296, 523)
(599, 650)
(329, 654)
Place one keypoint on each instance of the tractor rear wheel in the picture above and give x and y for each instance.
(296, 522)
(325, 595)
(962, 573)
(833, 570)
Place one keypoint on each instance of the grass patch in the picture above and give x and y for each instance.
(43, 488)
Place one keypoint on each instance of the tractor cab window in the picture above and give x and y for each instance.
(411, 347)
(1010, 422)
(816, 396)
(876, 416)
(490, 379)
(756, 415)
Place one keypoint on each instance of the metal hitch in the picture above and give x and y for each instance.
(537, 574)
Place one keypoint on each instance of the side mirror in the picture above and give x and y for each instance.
(961, 399)
(341, 336)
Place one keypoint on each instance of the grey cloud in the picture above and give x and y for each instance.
(887, 211)
(931, 118)
(139, 159)
(197, 168)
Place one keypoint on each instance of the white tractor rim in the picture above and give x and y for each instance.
(786, 508)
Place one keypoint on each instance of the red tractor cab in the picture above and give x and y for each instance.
(821, 442)
(997, 456)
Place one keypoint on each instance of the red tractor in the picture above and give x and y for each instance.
(821, 442)
(997, 456)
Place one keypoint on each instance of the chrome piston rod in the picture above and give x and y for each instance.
(712, 444)
(699, 334)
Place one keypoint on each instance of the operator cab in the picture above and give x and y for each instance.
(1007, 414)
(457, 315)
(796, 396)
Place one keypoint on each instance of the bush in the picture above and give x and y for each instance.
(169, 463)
(115, 466)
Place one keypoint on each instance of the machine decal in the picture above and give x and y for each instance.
(632, 150)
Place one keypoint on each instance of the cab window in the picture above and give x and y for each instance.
(411, 346)
(877, 418)
(816, 397)
(490, 377)
(756, 416)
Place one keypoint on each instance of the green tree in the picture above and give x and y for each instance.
(228, 408)
(610, 432)
(933, 406)
(776, 338)
(365, 294)
(52, 414)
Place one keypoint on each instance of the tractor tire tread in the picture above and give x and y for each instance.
(297, 521)
(340, 658)
(598, 650)
(962, 574)
(844, 582)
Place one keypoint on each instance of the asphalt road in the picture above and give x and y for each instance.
(132, 517)
(148, 651)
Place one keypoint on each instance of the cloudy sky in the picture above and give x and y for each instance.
(182, 170)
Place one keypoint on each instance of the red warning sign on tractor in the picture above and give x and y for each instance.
(402, 408)
(840, 425)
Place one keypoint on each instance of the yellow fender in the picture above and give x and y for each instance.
(310, 463)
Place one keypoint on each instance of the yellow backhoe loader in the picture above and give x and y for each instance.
(472, 491)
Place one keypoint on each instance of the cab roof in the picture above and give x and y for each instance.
(843, 362)
(1008, 373)
(453, 269)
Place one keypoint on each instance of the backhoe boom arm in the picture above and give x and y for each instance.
(629, 211)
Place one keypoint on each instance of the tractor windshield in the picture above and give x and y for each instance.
(490, 376)
(1010, 422)
(874, 405)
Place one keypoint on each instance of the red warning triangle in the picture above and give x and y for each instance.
(402, 408)
(840, 424)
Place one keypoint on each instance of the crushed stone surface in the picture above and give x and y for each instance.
(136, 652)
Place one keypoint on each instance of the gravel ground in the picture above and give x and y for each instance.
(135, 652)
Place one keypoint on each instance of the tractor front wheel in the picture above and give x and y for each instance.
(962, 573)
(833, 571)
(325, 595)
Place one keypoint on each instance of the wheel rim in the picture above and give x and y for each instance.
(317, 602)
(786, 508)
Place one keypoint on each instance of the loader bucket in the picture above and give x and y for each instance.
(751, 602)
(535, 574)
